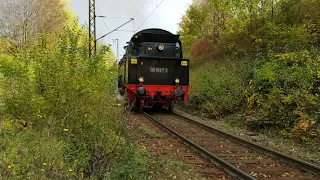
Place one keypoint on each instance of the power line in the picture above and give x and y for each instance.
(115, 29)
(105, 24)
(111, 18)
(150, 14)
(125, 30)
(140, 8)
(114, 17)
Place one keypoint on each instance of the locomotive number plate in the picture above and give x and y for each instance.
(159, 70)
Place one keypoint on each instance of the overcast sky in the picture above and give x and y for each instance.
(167, 16)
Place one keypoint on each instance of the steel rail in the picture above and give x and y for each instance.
(282, 157)
(229, 168)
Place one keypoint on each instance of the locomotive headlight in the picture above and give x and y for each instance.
(161, 47)
(177, 81)
(141, 79)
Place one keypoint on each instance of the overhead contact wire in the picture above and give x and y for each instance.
(105, 24)
(150, 14)
(140, 8)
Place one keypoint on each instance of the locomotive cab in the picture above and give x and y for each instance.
(153, 70)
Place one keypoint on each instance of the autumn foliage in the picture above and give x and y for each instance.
(267, 51)
(201, 50)
(58, 115)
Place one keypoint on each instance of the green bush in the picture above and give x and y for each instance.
(284, 89)
(287, 38)
(27, 154)
(217, 87)
(133, 165)
(58, 115)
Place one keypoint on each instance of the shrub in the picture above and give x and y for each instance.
(58, 120)
(283, 89)
(217, 87)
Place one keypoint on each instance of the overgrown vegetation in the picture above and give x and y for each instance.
(58, 119)
(257, 55)
(149, 132)
(218, 86)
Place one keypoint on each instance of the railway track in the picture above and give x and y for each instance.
(238, 157)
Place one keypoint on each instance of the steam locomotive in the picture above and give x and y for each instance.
(153, 71)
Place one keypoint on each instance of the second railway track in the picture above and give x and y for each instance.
(238, 157)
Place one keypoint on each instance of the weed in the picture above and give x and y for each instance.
(150, 132)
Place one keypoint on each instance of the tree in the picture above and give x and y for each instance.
(21, 21)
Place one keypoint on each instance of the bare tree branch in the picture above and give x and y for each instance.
(21, 21)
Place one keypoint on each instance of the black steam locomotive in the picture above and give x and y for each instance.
(153, 70)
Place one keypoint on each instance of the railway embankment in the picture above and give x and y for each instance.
(309, 152)
(257, 74)
(236, 156)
